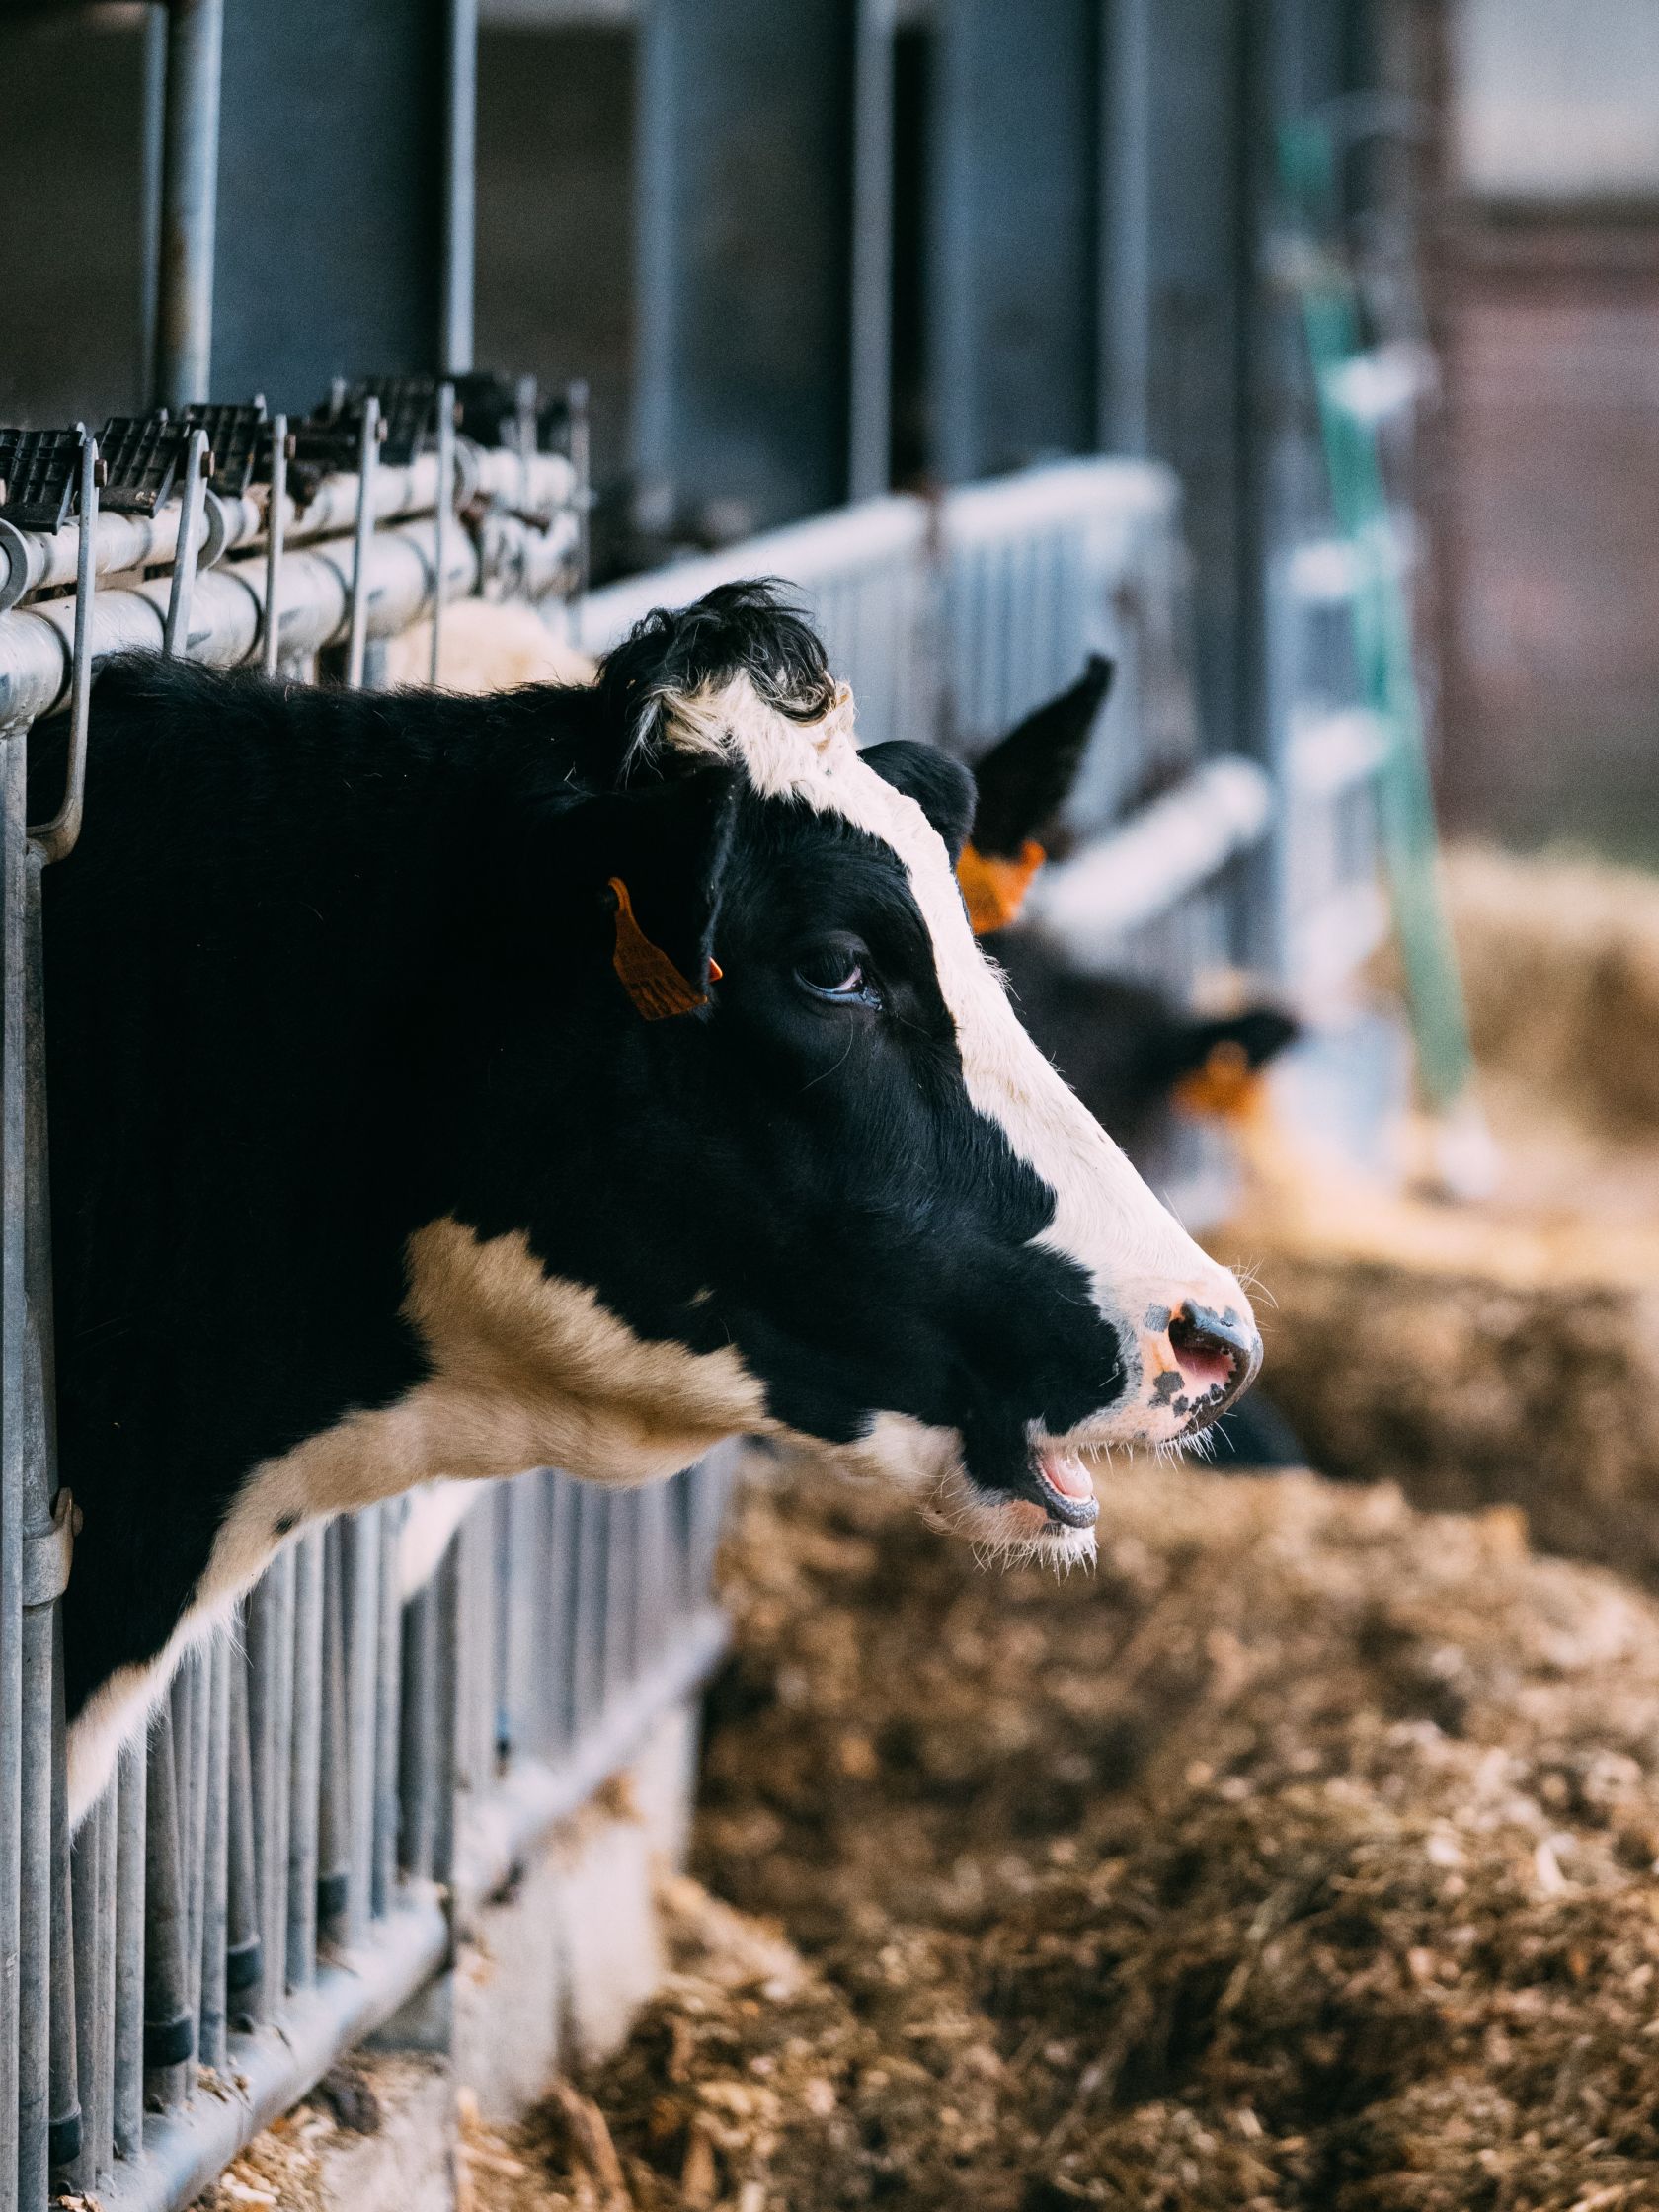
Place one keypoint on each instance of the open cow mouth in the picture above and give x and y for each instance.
(1065, 1486)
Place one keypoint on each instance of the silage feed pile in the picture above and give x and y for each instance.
(1506, 1351)
(1304, 1856)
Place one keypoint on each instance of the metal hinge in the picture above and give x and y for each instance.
(46, 1555)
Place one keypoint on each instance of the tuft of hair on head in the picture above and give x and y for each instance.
(673, 681)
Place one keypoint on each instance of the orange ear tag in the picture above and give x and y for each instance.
(1226, 1086)
(994, 890)
(644, 971)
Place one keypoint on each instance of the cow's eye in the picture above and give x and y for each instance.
(835, 973)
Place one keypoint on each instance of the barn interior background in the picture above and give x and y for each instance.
(1301, 352)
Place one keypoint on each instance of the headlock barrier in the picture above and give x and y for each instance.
(334, 1783)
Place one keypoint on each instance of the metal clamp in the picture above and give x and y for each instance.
(441, 517)
(55, 839)
(368, 453)
(176, 637)
(275, 527)
(48, 1553)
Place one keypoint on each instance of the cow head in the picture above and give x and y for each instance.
(745, 1135)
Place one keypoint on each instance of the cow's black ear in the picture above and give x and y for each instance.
(940, 787)
(667, 845)
(1024, 781)
(1250, 1039)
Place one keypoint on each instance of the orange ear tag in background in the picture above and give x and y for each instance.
(644, 971)
(994, 890)
(1225, 1087)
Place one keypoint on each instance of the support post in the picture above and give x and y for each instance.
(184, 318)
(1011, 301)
(746, 142)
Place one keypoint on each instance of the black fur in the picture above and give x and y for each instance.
(1024, 781)
(327, 967)
(1123, 1046)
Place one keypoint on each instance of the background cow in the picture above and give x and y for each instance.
(444, 1086)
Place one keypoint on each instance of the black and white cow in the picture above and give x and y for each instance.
(448, 1087)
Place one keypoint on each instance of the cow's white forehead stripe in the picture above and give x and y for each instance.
(1105, 1217)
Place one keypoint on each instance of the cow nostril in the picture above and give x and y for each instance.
(1218, 1354)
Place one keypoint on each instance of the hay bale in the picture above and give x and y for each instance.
(1560, 960)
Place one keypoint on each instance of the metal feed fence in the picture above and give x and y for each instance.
(334, 1783)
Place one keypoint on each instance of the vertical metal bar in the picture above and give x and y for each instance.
(363, 1650)
(200, 1758)
(446, 1677)
(176, 637)
(86, 1941)
(587, 1610)
(307, 1751)
(127, 2110)
(23, 2007)
(523, 1586)
(169, 2031)
(333, 1843)
(580, 445)
(416, 1805)
(620, 1560)
(65, 2136)
(271, 1614)
(183, 315)
(871, 314)
(47, 2017)
(368, 454)
(388, 1671)
(442, 515)
(150, 191)
(60, 835)
(459, 169)
(554, 1658)
(244, 1958)
(276, 533)
(216, 1664)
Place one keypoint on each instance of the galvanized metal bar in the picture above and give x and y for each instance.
(524, 1575)
(446, 1714)
(244, 1960)
(198, 1759)
(176, 637)
(216, 1870)
(580, 444)
(65, 2136)
(334, 1877)
(870, 318)
(362, 1536)
(587, 1613)
(553, 1641)
(184, 318)
(417, 1763)
(621, 1561)
(169, 2029)
(368, 459)
(276, 542)
(443, 518)
(270, 1613)
(388, 1676)
(23, 1944)
(307, 1754)
(460, 132)
(128, 2090)
(88, 1939)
